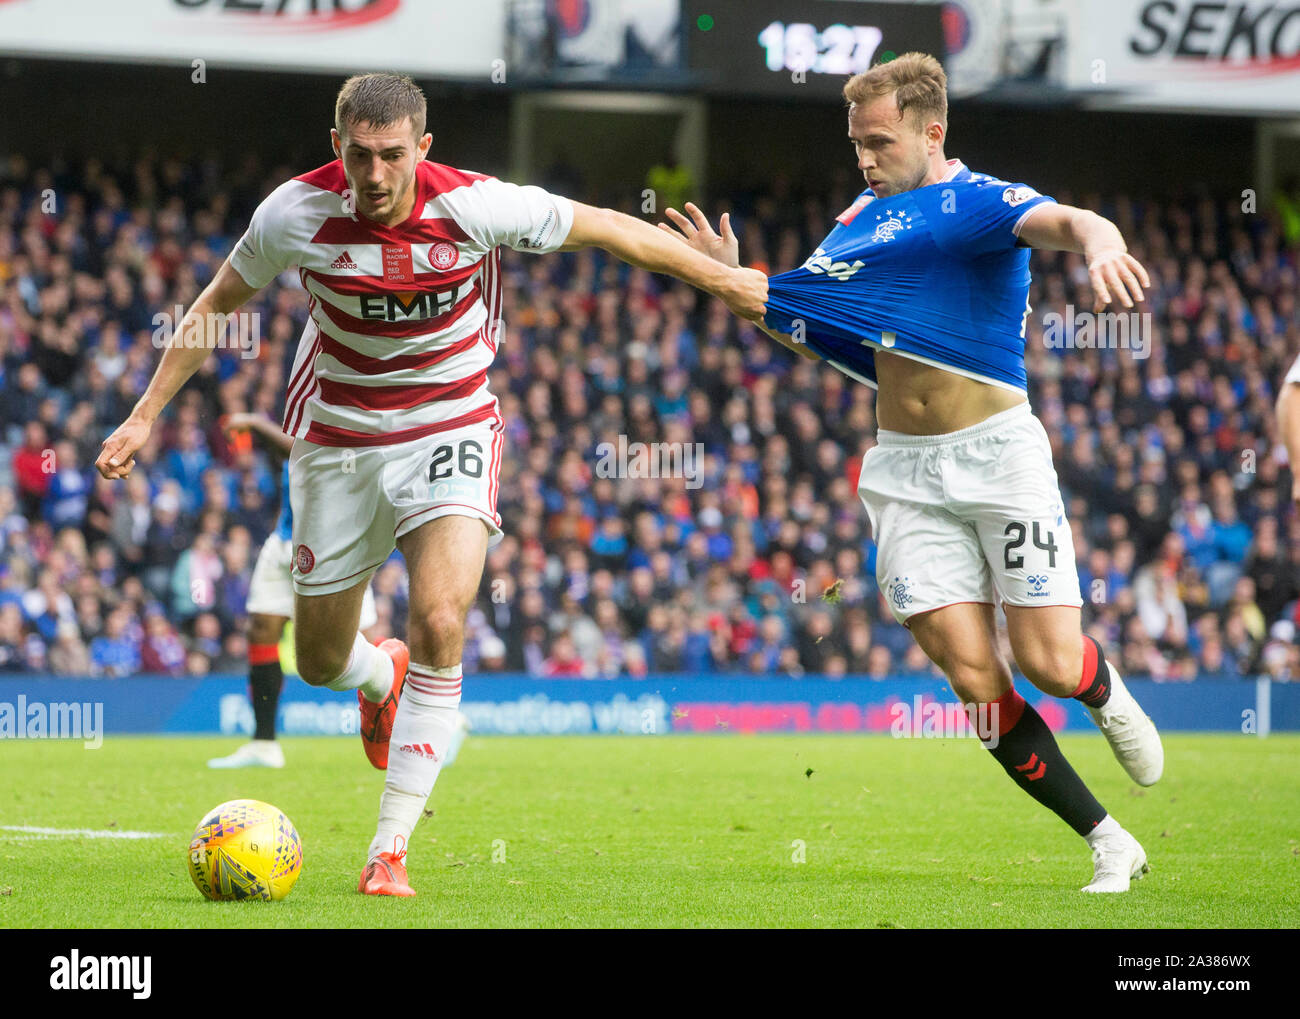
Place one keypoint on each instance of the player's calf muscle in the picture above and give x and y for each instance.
(319, 665)
(324, 630)
(263, 629)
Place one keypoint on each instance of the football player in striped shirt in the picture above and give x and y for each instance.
(398, 438)
(921, 291)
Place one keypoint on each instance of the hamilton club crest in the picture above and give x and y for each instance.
(443, 255)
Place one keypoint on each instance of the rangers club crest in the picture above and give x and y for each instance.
(443, 255)
(885, 231)
(304, 560)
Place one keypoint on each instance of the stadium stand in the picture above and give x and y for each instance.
(1187, 543)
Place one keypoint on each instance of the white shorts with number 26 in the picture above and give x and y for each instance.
(351, 504)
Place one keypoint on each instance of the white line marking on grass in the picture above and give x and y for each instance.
(90, 833)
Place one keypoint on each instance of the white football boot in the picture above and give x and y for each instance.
(258, 753)
(1131, 734)
(1116, 860)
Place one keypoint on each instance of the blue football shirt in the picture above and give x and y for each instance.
(934, 274)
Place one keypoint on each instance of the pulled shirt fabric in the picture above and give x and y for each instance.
(935, 274)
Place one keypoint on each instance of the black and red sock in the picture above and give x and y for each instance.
(265, 680)
(1027, 751)
(1094, 685)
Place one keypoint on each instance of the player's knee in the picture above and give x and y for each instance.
(978, 682)
(440, 625)
(1054, 668)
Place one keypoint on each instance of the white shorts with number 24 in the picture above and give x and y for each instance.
(961, 516)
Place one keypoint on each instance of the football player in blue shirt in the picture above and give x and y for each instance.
(921, 291)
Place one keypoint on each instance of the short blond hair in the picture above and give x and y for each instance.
(917, 82)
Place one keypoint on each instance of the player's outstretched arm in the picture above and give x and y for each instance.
(1115, 274)
(186, 350)
(743, 290)
(722, 246)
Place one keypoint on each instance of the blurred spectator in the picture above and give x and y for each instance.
(161, 650)
(69, 656)
(115, 653)
(33, 466)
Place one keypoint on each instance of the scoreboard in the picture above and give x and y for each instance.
(795, 48)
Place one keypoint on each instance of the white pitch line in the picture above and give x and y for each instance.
(90, 833)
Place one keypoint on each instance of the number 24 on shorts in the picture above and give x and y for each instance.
(1016, 531)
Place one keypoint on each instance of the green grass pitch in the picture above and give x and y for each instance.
(677, 831)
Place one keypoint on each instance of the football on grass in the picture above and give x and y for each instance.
(245, 849)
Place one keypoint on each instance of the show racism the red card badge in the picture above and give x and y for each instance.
(397, 263)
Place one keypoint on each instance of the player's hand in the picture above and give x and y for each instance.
(721, 247)
(1295, 493)
(746, 294)
(1116, 275)
(117, 458)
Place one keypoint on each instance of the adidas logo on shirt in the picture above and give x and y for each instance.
(344, 261)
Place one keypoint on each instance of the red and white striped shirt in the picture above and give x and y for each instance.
(405, 319)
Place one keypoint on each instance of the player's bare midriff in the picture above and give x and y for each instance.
(918, 399)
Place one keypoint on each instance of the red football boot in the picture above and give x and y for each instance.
(377, 719)
(386, 874)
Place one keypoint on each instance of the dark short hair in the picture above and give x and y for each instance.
(380, 100)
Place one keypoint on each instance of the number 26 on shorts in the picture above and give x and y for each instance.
(464, 458)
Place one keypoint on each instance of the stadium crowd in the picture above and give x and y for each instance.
(755, 557)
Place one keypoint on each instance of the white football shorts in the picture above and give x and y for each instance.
(960, 516)
(270, 592)
(351, 504)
